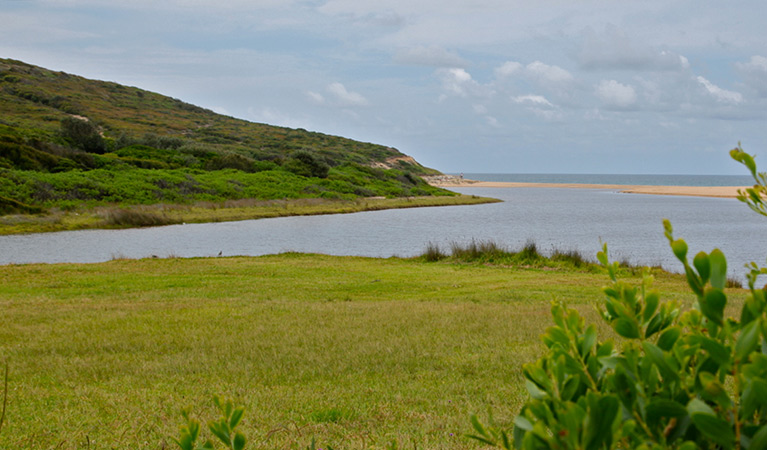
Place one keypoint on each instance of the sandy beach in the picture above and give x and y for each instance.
(695, 191)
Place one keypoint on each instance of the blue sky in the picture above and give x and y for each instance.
(588, 86)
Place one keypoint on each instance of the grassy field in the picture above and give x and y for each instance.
(354, 352)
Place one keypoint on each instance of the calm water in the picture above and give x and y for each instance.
(644, 180)
(567, 219)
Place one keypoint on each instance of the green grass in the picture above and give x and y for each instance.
(354, 352)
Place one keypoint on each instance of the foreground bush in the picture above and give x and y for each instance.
(677, 380)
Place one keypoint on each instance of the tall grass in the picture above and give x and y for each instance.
(125, 217)
(490, 252)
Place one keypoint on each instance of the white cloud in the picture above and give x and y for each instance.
(344, 97)
(480, 109)
(458, 81)
(614, 50)
(315, 97)
(507, 69)
(721, 95)
(547, 73)
(754, 73)
(492, 121)
(531, 99)
(615, 95)
(429, 56)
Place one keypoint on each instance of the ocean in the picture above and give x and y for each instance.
(635, 179)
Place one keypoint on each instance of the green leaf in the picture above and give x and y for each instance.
(702, 265)
(748, 340)
(625, 388)
(718, 268)
(534, 391)
(679, 247)
(589, 340)
(760, 439)
(523, 423)
(601, 418)
(669, 230)
(239, 441)
(626, 328)
(656, 357)
(712, 305)
(693, 280)
(236, 417)
(668, 338)
(698, 406)
(715, 349)
(659, 408)
(713, 389)
(754, 396)
(654, 326)
(716, 429)
(651, 305)
(744, 158)
(602, 256)
(557, 335)
(219, 430)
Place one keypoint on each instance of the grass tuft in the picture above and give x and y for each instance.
(123, 217)
(477, 250)
(573, 257)
(433, 253)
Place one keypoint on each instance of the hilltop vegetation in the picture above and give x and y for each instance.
(67, 142)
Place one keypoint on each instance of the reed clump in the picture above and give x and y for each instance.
(130, 217)
(490, 252)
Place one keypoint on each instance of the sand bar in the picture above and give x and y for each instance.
(695, 191)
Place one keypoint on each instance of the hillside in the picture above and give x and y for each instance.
(69, 142)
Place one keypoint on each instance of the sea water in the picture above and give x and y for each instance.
(632, 179)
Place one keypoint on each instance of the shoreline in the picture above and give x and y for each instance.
(692, 191)
(139, 216)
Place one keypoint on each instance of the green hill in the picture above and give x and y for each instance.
(68, 142)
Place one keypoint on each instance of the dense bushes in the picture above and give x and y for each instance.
(132, 186)
(83, 134)
(306, 164)
(676, 380)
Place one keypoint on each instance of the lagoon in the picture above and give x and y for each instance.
(553, 218)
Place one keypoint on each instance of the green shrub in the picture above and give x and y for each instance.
(676, 380)
(83, 134)
(306, 164)
(231, 161)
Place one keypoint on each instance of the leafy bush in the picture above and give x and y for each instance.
(231, 161)
(306, 164)
(677, 380)
(83, 134)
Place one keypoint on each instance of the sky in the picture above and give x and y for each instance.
(489, 86)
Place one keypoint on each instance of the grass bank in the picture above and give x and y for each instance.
(355, 352)
(231, 210)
